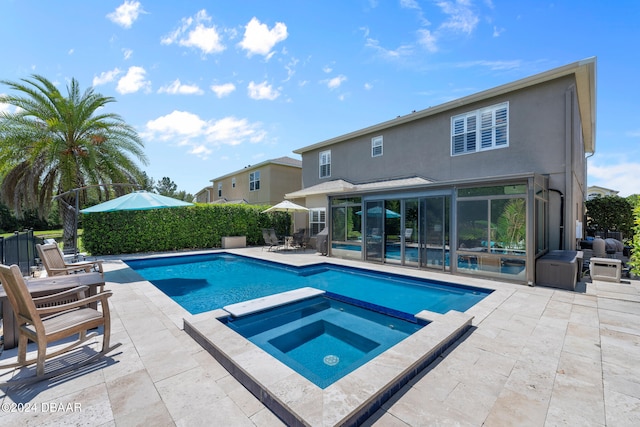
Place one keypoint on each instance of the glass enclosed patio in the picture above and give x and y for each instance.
(494, 228)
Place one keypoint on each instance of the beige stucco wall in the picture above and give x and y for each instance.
(275, 181)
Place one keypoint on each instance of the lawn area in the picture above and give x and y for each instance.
(52, 234)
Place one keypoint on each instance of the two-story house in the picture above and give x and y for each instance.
(264, 183)
(596, 191)
(483, 184)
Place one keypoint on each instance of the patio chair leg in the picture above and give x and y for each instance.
(22, 348)
(42, 355)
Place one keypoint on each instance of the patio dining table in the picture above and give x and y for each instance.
(41, 287)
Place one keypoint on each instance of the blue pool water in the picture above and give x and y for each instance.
(202, 283)
(323, 338)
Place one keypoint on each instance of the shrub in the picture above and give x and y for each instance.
(635, 255)
(193, 227)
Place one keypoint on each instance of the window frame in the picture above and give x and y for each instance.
(233, 182)
(219, 189)
(377, 142)
(475, 131)
(324, 164)
(321, 221)
(254, 180)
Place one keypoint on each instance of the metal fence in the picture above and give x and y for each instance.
(19, 249)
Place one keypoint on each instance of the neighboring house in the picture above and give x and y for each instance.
(265, 183)
(492, 180)
(204, 196)
(595, 191)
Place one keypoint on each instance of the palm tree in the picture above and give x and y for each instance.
(51, 144)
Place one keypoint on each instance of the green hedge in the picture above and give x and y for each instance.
(635, 255)
(193, 227)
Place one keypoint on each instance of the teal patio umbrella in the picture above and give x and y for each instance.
(137, 201)
(377, 211)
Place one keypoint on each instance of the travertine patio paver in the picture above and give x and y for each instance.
(540, 357)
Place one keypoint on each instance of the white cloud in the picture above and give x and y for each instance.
(126, 14)
(71, 51)
(389, 54)
(621, 176)
(409, 4)
(327, 69)
(106, 77)
(368, 86)
(177, 88)
(177, 123)
(262, 91)
(133, 81)
(223, 90)
(291, 68)
(461, 16)
(188, 129)
(4, 108)
(201, 151)
(259, 39)
(194, 32)
(492, 65)
(233, 131)
(428, 40)
(497, 31)
(127, 53)
(336, 82)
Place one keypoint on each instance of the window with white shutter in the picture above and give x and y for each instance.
(479, 130)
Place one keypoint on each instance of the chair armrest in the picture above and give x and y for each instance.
(69, 268)
(101, 297)
(58, 295)
(86, 265)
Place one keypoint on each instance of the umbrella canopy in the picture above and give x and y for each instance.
(286, 206)
(376, 211)
(137, 201)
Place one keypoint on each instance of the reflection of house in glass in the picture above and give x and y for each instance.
(484, 184)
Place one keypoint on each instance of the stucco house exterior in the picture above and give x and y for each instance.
(481, 185)
(264, 183)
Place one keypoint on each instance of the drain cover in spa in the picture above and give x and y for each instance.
(331, 360)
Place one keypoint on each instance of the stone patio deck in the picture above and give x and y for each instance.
(534, 357)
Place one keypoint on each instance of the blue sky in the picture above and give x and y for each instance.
(214, 86)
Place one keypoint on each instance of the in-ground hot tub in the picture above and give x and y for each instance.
(325, 338)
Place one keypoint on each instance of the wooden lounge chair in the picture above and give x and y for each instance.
(44, 320)
(54, 262)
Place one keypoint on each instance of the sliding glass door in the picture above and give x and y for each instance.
(374, 230)
(434, 218)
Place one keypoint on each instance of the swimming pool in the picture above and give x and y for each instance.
(201, 283)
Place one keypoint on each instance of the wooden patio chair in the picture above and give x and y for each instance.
(54, 262)
(44, 320)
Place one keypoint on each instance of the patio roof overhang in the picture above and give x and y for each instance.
(339, 186)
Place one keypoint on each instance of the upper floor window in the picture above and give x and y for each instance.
(482, 129)
(233, 183)
(219, 189)
(376, 146)
(254, 181)
(325, 164)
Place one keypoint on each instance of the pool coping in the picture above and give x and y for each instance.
(348, 401)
